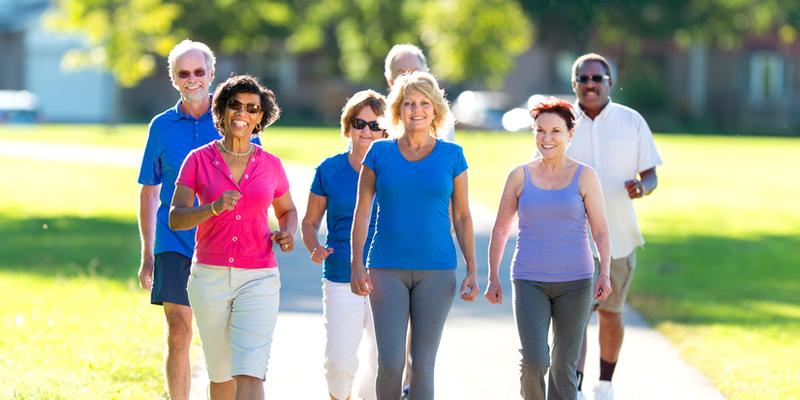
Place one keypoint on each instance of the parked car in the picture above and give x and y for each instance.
(18, 106)
(519, 118)
(480, 109)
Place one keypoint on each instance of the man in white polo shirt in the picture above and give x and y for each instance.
(616, 141)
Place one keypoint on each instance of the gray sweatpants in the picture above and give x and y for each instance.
(535, 304)
(424, 296)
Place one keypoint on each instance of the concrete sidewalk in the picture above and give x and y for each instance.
(478, 357)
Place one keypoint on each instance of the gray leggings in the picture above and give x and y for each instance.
(535, 304)
(426, 297)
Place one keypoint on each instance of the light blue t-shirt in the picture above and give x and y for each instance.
(337, 181)
(413, 222)
(171, 136)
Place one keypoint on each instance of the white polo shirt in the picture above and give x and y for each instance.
(618, 144)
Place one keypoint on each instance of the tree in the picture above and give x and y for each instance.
(466, 38)
(121, 35)
(714, 23)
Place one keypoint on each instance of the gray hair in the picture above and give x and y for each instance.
(186, 46)
(397, 50)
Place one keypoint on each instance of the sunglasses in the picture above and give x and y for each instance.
(595, 78)
(237, 105)
(359, 123)
(199, 73)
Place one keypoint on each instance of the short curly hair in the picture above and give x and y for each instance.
(244, 84)
(555, 106)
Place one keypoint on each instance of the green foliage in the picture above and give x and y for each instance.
(232, 27)
(121, 35)
(479, 38)
(644, 85)
(468, 38)
(628, 24)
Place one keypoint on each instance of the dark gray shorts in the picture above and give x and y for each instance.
(170, 274)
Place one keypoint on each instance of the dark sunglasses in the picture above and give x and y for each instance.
(183, 74)
(595, 78)
(237, 105)
(359, 123)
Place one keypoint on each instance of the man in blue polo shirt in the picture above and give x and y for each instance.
(167, 254)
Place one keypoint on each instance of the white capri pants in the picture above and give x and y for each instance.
(235, 310)
(346, 317)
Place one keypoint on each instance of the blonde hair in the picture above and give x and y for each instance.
(426, 85)
(356, 103)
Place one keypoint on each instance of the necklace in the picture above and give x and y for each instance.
(418, 150)
(233, 153)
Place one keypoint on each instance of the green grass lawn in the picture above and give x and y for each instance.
(720, 274)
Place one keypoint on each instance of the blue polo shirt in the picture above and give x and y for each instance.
(413, 222)
(337, 181)
(171, 135)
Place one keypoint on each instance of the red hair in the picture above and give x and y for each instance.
(555, 106)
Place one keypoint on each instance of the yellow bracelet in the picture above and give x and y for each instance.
(213, 211)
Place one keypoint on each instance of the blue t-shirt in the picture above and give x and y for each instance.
(336, 180)
(413, 222)
(171, 136)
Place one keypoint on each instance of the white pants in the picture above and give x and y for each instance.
(346, 317)
(235, 310)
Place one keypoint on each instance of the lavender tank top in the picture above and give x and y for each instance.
(553, 240)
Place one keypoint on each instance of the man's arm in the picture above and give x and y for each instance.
(148, 208)
(646, 184)
(649, 180)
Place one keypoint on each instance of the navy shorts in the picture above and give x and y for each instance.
(170, 274)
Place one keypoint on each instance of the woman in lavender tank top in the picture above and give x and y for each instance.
(554, 197)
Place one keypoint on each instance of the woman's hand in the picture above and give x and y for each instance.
(469, 287)
(284, 239)
(602, 289)
(320, 253)
(226, 201)
(494, 292)
(360, 283)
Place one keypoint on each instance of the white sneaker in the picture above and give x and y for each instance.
(603, 391)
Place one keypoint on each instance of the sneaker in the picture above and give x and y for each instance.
(603, 391)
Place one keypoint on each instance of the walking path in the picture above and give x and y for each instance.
(478, 357)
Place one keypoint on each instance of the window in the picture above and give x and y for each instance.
(766, 76)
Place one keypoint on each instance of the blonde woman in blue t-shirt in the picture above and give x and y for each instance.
(412, 260)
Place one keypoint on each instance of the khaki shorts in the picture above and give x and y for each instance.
(621, 275)
(235, 310)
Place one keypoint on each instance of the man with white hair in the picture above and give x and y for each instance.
(167, 254)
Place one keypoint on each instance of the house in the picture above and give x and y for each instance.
(32, 61)
(753, 88)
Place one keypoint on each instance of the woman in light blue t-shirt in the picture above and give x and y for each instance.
(415, 178)
(333, 193)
